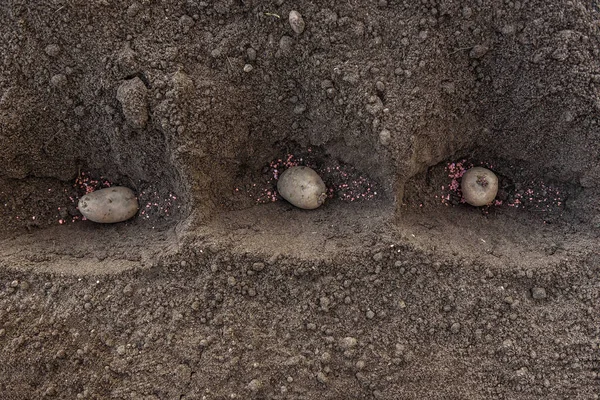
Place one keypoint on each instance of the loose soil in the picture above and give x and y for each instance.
(219, 289)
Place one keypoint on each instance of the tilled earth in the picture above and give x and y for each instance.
(394, 289)
(394, 318)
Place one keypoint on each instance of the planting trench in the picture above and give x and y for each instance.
(218, 288)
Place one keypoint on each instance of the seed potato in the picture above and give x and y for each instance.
(302, 187)
(110, 205)
(479, 186)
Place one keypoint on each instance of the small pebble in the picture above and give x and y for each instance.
(538, 293)
(134, 9)
(258, 266)
(248, 68)
(385, 137)
(508, 30)
(348, 343)
(285, 44)
(128, 290)
(255, 385)
(478, 51)
(321, 377)
(299, 109)
(52, 50)
(58, 80)
(186, 23)
(79, 111)
(455, 328)
(326, 84)
(296, 22)
(467, 12)
(51, 391)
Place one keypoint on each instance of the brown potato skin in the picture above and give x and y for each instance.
(302, 187)
(474, 191)
(110, 205)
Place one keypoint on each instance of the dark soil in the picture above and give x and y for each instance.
(394, 289)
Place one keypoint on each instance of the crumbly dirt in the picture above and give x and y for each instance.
(218, 288)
